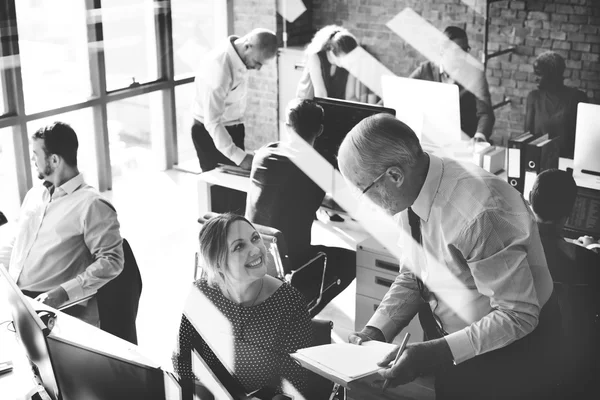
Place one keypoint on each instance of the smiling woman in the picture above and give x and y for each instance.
(261, 319)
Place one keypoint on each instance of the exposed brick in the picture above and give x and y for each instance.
(561, 45)
(573, 64)
(525, 68)
(564, 9)
(568, 27)
(517, 5)
(559, 17)
(596, 48)
(589, 29)
(592, 38)
(578, 19)
(533, 24)
(590, 57)
(582, 46)
(538, 15)
(558, 35)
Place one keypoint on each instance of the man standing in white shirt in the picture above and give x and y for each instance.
(221, 91)
(472, 267)
(67, 242)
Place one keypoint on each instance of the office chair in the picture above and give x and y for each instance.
(308, 279)
(119, 299)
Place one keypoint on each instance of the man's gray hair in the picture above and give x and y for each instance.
(377, 143)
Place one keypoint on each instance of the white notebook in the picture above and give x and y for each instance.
(344, 362)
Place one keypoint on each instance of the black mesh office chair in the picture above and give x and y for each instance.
(308, 279)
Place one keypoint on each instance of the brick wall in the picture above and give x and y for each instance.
(261, 114)
(570, 27)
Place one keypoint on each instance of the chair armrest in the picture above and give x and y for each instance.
(310, 278)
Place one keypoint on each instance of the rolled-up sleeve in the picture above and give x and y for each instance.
(495, 248)
(216, 87)
(102, 238)
(398, 307)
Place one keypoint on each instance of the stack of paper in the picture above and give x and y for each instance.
(344, 362)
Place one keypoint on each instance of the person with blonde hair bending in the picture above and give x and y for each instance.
(323, 75)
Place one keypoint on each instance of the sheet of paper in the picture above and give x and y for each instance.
(348, 359)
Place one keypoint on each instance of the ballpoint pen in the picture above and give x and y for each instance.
(400, 351)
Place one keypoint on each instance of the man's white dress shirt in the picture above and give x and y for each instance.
(221, 89)
(67, 238)
(480, 229)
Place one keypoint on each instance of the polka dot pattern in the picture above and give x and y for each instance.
(264, 335)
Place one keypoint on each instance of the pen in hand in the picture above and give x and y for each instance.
(386, 383)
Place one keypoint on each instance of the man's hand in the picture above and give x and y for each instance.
(417, 359)
(54, 298)
(368, 333)
(247, 162)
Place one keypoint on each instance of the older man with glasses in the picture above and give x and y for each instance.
(490, 332)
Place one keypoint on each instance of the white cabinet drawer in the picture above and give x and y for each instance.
(378, 262)
(373, 283)
(365, 308)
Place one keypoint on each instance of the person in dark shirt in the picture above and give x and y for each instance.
(575, 271)
(283, 197)
(552, 108)
(476, 113)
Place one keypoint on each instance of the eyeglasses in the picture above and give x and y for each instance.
(374, 182)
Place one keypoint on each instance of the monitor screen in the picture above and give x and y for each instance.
(585, 217)
(31, 332)
(340, 117)
(70, 371)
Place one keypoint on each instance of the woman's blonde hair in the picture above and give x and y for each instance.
(214, 247)
(332, 38)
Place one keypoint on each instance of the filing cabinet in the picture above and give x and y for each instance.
(376, 270)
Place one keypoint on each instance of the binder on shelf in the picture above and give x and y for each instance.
(479, 151)
(515, 170)
(540, 154)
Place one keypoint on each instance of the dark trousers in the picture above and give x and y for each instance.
(341, 264)
(525, 369)
(223, 199)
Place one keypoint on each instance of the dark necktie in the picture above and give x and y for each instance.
(430, 326)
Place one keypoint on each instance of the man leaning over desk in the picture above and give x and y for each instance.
(67, 242)
(496, 339)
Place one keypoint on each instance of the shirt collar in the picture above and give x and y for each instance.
(71, 185)
(235, 58)
(424, 201)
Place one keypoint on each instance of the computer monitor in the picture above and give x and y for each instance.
(587, 139)
(431, 109)
(69, 370)
(585, 216)
(340, 117)
(31, 332)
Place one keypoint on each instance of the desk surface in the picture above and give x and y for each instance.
(17, 384)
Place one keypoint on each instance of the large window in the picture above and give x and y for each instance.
(130, 44)
(110, 69)
(9, 199)
(54, 55)
(197, 25)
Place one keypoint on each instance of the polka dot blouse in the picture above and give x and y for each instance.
(263, 336)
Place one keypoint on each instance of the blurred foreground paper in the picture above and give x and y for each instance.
(290, 9)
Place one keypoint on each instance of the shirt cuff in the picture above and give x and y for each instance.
(460, 346)
(385, 324)
(238, 156)
(480, 136)
(73, 288)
